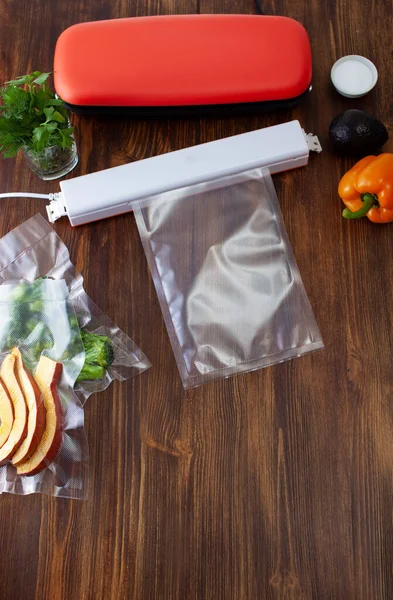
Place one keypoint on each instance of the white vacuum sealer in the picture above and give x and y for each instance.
(119, 189)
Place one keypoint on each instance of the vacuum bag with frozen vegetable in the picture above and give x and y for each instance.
(42, 442)
(33, 250)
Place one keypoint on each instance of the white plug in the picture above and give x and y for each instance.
(56, 207)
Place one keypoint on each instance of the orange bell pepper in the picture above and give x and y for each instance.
(367, 189)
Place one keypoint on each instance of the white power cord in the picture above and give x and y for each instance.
(29, 195)
(55, 209)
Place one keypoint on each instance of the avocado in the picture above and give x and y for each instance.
(357, 133)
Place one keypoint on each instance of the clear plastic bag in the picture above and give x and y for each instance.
(30, 314)
(227, 281)
(33, 250)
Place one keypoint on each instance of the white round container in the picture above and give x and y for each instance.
(354, 76)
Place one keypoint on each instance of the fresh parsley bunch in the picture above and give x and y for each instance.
(31, 116)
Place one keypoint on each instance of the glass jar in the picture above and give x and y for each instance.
(52, 162)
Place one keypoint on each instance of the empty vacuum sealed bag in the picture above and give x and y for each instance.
(229, 288)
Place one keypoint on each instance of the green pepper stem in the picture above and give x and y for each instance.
(369, 200)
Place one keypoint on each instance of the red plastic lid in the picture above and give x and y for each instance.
(182, 60)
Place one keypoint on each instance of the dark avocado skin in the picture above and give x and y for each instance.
(356, 133)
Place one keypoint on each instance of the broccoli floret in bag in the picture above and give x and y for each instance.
(74, 345)
(36, 306)
(30, 324)
(99, 355)
(73, 321)
(19, 293)
(28, 292)
(26, 314)
(89, 372)
(98, 349)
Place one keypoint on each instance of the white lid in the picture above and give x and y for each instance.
(354, 76)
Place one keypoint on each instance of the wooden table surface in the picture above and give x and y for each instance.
(271, 485)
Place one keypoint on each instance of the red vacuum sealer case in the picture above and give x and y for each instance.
(184, 64)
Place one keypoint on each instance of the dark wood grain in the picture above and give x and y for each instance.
(269, 486)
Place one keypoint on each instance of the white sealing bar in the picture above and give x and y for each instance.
(117, 190)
